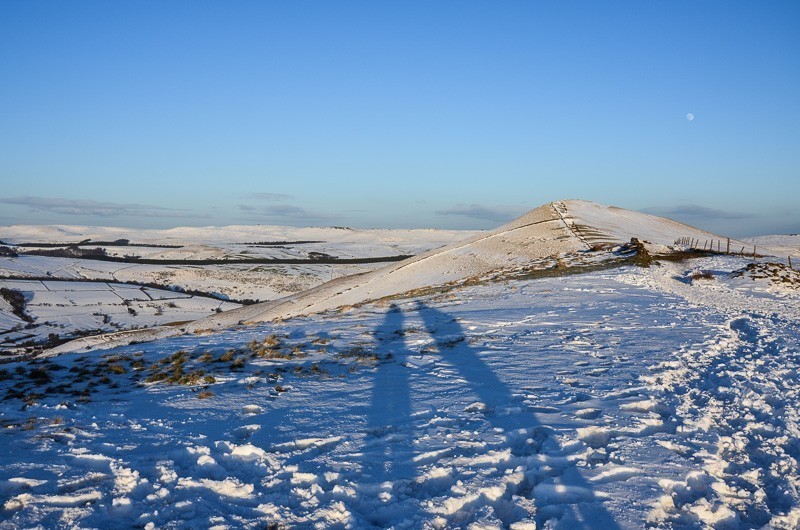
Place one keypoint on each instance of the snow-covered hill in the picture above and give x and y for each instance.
(569, 229)
(553, 230)
(777, 245)
(213, 241)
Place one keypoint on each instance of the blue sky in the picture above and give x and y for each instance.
(398, 114)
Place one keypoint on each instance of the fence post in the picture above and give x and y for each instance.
(728, 250)
(790, 262)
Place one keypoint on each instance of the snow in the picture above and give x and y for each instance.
(237, 281)
(67, 308)
(613, 399)
(609, 396)
(558, 233)
(778, 245)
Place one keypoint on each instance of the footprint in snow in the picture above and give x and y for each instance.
(543, 409)
(250, 410)
(245, 431)
(588, 413)
(574, 383)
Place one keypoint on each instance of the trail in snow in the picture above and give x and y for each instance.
(736, 398)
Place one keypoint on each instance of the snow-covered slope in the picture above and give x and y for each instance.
(777, 245)
(622, 399)
(556, 229)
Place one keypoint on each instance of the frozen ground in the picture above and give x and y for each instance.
(663, 396)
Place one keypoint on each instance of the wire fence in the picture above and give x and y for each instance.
(722, 247)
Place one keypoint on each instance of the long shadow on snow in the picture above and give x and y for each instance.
(389, 450)
(391, 404)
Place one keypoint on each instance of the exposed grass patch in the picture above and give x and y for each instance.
(116, 369)
(39, 375)
(776, 273)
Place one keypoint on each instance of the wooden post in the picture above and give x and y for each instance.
(742, 252)
(728, 250)
(719, 245)
(754, 252)
(790, 262)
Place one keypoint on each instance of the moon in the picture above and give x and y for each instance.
(690, 116)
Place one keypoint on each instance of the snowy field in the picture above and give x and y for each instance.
(60, 303)
(234, 281)
(664, 396)
(66, 309)
(239, 281)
